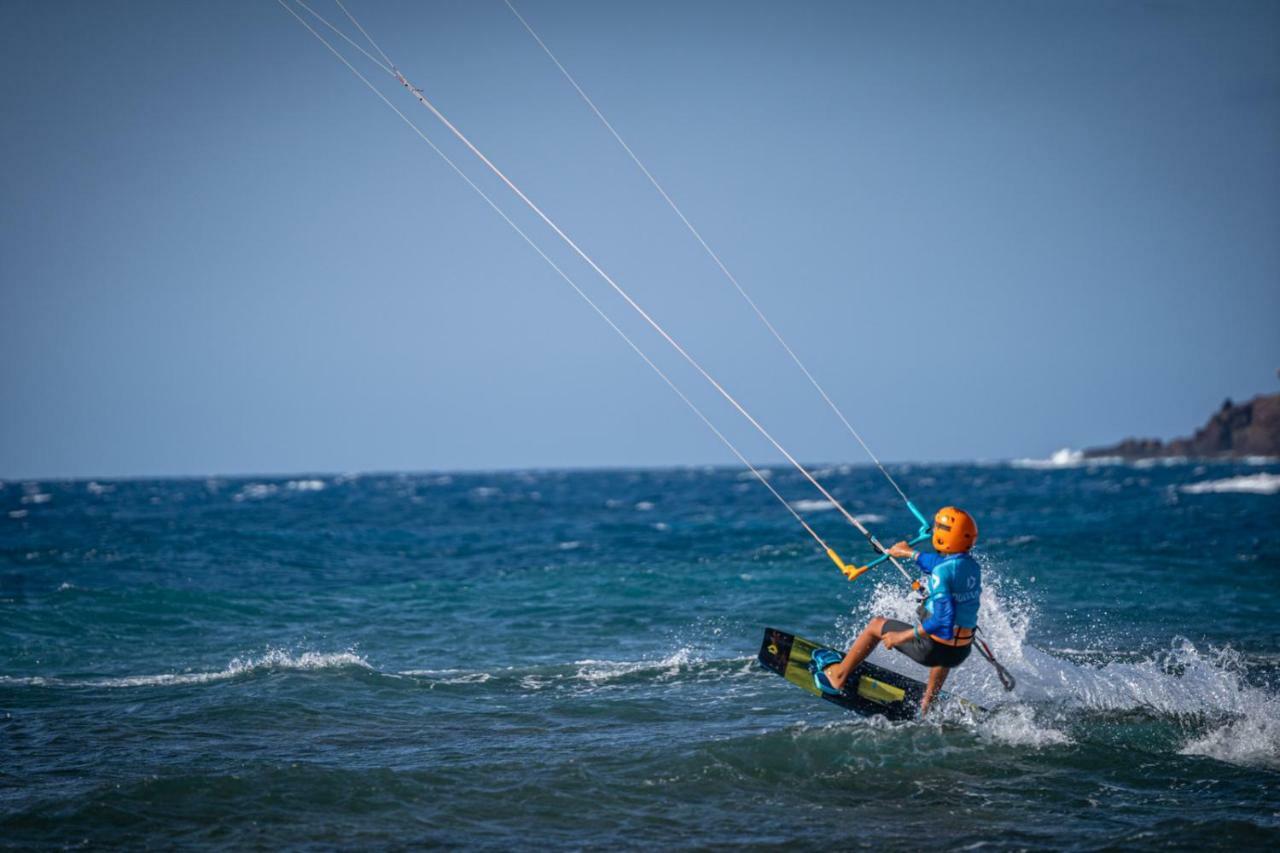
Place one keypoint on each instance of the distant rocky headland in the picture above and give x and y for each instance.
(1235, 430)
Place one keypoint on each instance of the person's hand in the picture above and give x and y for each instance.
(902, 551)
(896, 638)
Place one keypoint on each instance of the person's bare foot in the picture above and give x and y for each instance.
(836, 676)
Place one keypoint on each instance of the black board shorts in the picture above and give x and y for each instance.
(923, 650)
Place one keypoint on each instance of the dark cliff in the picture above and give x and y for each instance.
(1246, 429)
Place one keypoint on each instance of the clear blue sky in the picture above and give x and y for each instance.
(992, 229)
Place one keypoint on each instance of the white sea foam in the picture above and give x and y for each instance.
(37, 498)
(1017, 725)
(274, 659)
(822, 505)
(1160, 461)
(598, 672)
(763, 472)
(435, 677)
(1255, 484)
(94, 488)
(644, 506)
(815, 505)
(1064, 458)
(18, 513)
(1068, 458)
(255, 492)
(305, 485)
(1181, 681)
(1252, 740)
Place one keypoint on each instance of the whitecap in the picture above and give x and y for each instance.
(814, 505)
(305, 485)
(18, 513)
(644, 506)
(598, 672)
(1062, 458)
(1182, 681)
(1256, 484)
(274, 659)
(449, 676)
(37, 498)
(1252, 740)
(255, 492)
(1017, 726)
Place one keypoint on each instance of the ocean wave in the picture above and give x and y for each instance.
(255, 492)
(449, 676)
(271, 661)
(815, 505)
(1204, 691)
(604, 671)
(1018, 726)
(591, 673)
(1254, 484)
(1066, 458)
(823, 505)
(1251, 740)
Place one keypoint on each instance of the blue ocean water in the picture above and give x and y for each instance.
(567, 659)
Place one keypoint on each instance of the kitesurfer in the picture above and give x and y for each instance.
(948, 617)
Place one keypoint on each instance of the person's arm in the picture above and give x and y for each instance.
(927, 562)
(942, 618)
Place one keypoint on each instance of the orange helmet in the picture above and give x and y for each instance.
(954, 531)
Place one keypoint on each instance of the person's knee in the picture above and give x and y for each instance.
(876, 625)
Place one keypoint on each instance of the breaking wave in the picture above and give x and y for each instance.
(1204, 692)
(1256, 484)
(271, 661)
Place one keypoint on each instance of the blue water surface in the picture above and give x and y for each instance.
(567, 658)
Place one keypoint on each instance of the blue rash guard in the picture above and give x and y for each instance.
(955, 585)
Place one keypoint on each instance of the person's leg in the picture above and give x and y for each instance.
(838, 673)
(937, 676)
